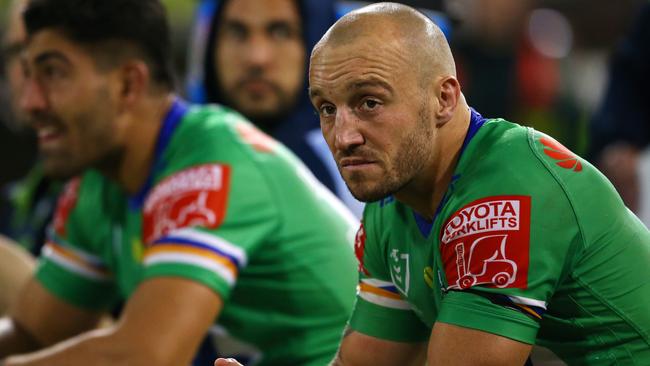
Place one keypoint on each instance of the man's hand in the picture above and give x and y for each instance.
(224, 362)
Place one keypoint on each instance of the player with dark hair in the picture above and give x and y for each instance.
(189, 214)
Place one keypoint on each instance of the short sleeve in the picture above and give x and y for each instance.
(204, 222)
(68, 266)
(380, 310)
(500, 271)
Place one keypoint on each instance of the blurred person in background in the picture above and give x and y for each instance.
(16, 141)
(505, 72)
(620, 129)
(189, 214)
(252, 56)
(26, 204)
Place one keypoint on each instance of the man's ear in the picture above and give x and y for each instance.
(134, 80)
(448, 95)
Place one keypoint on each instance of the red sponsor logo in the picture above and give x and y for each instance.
(487, 243)
(65, 203)
(360, 247)
(556, 151)
(192, 197)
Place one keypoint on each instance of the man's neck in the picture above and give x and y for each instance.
(144, 124)
(426, 191)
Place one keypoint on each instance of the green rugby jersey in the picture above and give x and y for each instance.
(530, 243)
(230, 208)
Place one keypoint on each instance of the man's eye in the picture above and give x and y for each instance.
(235, 32)
(50, 72)
(281, 31)
(327, 110)
(370, 104)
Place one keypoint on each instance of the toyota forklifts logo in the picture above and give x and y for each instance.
(487, 243)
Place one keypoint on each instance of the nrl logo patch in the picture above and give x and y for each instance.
(399, 270)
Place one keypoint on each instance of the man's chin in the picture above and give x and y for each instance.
(262, 110)
(60, 170)
(364, 193)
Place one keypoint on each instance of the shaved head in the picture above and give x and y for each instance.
(419, 39)
(384, 84)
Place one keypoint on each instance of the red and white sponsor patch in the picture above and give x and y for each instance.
(487, 243)
(193, 197)
(360, 247)
(65, 204)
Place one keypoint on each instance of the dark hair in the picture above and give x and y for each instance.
(112, 28)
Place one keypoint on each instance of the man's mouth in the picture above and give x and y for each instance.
(47, 135)
(256, 86)
(355, 163)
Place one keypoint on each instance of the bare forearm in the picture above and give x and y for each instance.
(14, 339)
(97, 347)
(362, 350)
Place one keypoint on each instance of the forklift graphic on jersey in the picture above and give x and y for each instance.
(486, 263)
(193, 213)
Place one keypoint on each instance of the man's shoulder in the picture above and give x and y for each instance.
(210, 133)
(203, 123)
(505, 156)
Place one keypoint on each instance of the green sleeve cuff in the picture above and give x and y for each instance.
(193, 273)
(476, 312)
(75, 289)
(390, 324)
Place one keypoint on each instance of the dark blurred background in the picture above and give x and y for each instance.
(537, 62)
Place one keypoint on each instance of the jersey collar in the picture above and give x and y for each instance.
(172, 119)
(475, 123)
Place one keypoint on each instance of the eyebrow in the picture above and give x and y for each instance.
(50, 55)
(293, 25)
(270, 23)
(371, 83)
(232, 23)
(313, 93)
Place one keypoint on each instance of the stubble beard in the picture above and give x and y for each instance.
(281, 101)
(410, 159)
(95, 145)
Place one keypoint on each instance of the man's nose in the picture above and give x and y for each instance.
(260, 50)
(32, 96)
(347, 132)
